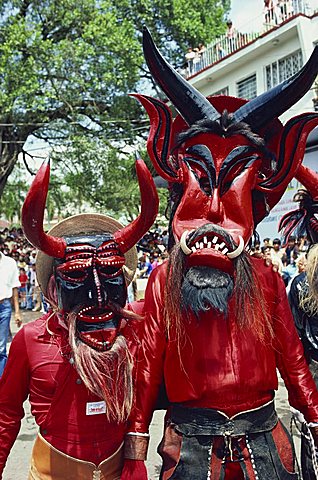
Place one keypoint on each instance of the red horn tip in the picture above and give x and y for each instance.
(33, 214)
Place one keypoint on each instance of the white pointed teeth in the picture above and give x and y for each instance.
(183, 244)
(238, 250)
(207, 243)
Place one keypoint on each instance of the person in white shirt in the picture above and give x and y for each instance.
(9, 283)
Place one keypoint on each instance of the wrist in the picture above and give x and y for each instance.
(136, 446)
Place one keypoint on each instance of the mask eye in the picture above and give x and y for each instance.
(110, 272)
(205, 185)
(73, 276)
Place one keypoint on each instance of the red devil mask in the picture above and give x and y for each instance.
(227, 161)
(88, 267)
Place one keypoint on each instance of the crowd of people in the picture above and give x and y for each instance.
(277, 11)
(152, 251)
(289, 260)
(15, 245)
(193, 59)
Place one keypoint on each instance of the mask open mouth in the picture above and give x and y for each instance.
(200, 241)
(99, 335)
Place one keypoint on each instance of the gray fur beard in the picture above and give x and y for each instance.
(206, 288)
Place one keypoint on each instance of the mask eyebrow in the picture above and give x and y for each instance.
(235, 157)
(205, 161)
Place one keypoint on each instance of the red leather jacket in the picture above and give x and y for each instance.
(220, 366)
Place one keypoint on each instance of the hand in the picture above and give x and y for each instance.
(134, 470)
(17, 319)
(269, 262)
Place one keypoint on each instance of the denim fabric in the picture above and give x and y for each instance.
(5, 317)
(30, 293)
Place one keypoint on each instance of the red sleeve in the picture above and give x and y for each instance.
(14, 390)
(302, 391)
(150, 362)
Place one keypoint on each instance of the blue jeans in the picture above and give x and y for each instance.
(5, 317)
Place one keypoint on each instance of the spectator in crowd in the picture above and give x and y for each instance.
(31, 287)
(145, 267)
(231, 35)
(23, 279)
(290, 249)
(9, 284)
(286, 9)
(189, 56)
(269, 254)
(290, 270)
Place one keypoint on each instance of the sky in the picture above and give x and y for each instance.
(247, 15)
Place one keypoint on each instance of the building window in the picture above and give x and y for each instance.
(284, 68)
(223, 91)
(247, 88)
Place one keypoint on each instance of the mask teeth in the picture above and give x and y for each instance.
(93, 317)
(214, 243)
(208, 243)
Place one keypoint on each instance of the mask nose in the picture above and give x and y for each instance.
(215, 213)
(98, 287)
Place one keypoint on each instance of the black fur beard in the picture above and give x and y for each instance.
(206, 288)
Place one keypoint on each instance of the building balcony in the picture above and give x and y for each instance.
(225, 46)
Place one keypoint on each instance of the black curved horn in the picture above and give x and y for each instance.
(271, 104)
(190, 103)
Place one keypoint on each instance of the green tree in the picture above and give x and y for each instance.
(66, 67)
(103, 180)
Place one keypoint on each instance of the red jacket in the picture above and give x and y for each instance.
(38, 367)
(221, 367)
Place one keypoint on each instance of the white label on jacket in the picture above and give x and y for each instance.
(95, 408)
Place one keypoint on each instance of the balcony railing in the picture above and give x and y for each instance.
(224, 46)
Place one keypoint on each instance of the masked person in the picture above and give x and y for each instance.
(218, 323)
(75, 362)
(303, 296)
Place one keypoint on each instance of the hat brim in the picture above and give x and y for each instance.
(82, 224)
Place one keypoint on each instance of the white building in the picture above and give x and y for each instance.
(250, 63)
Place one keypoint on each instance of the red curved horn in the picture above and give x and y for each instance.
(309, 179)
(33, 214)
(128, 236)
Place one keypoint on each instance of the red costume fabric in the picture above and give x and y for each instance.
(220, 366)
(39, 367)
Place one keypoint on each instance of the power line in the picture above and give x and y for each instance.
(40, 124)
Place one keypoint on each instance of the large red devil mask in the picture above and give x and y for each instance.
(228, 161)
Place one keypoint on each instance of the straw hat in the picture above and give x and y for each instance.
(83, 224)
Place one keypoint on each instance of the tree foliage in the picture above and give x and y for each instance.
(66, 67)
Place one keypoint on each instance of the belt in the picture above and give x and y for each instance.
(206, 421)
(48, 463)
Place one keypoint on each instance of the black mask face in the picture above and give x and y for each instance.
(90, 278)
